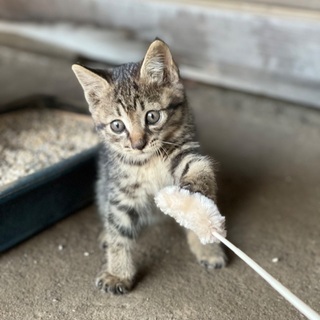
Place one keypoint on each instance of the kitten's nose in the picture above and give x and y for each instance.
(138, 144)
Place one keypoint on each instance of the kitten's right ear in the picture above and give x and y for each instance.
(158, 65)
(93, 85)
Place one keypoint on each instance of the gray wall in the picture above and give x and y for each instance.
(269, 50)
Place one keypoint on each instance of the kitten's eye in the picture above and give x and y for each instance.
(152, 117)
(117, 126)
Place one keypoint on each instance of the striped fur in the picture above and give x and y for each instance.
(144, 158)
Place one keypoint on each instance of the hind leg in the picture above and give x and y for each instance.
(211, 256)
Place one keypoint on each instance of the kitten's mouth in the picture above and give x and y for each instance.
(145, 152)
(138, 153)
(148, 151)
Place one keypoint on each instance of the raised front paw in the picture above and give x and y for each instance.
(193, 188)
(108, 283)
(200, 185)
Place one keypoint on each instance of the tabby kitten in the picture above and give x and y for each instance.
(142, 117)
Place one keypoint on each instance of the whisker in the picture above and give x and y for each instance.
(171, 143)
(165, 151)
(159, 153)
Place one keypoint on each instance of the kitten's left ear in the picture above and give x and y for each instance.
(158, 65)
(93, 84)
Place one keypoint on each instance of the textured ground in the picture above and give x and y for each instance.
(269, 189)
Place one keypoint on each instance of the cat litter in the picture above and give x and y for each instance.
(36, 138)
(47, 166)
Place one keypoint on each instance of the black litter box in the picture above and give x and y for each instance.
(36, 201)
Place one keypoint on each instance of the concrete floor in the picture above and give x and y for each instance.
(269, 189)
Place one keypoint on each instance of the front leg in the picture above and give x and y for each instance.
(116, 275)
(195, 173)
(198, 176)
(121, 229)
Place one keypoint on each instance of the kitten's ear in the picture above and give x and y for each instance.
(93, 85)
(158, 65)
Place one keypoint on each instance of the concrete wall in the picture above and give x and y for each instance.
(270, 50)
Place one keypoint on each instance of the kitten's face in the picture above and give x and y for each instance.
(137, 108)
(142, 123)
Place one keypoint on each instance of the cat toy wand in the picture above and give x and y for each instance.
(209, 226)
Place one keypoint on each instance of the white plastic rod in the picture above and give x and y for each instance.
(286, 293)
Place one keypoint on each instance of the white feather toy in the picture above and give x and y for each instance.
(179, 204)
(201, 215)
